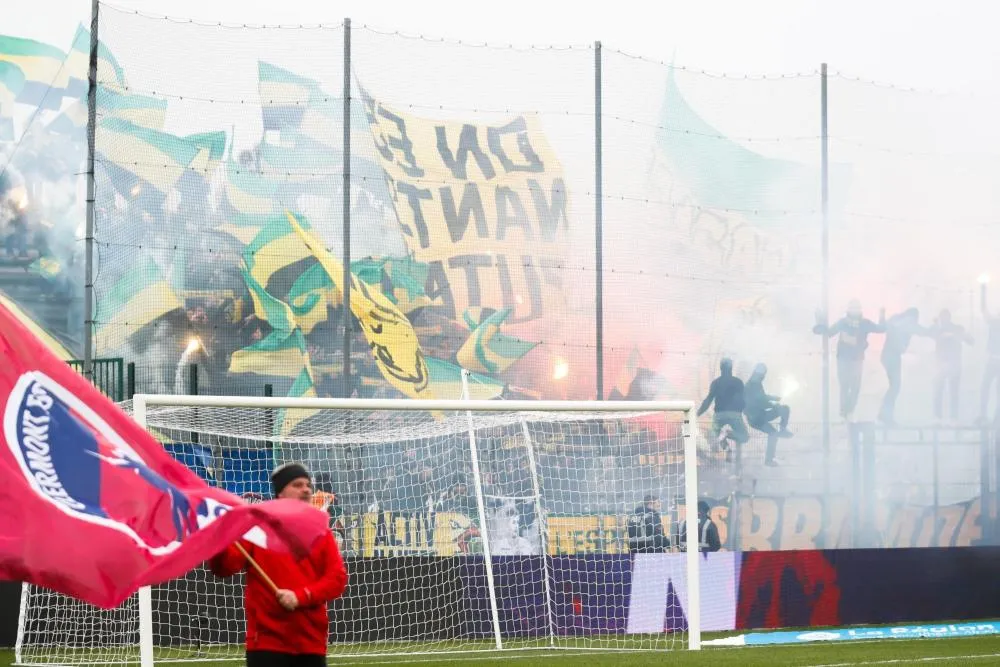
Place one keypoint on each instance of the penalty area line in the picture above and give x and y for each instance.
(908, 661)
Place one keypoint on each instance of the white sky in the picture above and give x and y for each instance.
(944, 45)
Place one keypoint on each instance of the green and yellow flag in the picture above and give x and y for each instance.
(393, 342)
(487, 350)
(281, 264)
(289, 418)
(157, 159)
(11, 85)
(27, 320)
(249, 193)
(45, 77)
(446, 382)
(310, 295)
(402, 279)
(110, 74)
(140, 110)
(275, 247)
(140, 296)
(283, 351)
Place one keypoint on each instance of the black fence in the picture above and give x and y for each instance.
(109, 376)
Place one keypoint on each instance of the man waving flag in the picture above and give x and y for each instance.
(93, 506)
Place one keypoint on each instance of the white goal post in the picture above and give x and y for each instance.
(515, 539)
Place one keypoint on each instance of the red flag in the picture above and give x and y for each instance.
(92, 506)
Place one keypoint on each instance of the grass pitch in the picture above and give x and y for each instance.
(964, 651)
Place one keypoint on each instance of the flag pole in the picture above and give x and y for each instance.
(346, 289)
(88, 279)
(270, 583)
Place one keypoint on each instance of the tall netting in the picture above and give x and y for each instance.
(401, 489)
(713, 250)
(42, 188)
(194, 261)
(915, 228)
(471, 211)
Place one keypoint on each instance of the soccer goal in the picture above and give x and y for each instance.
(466, 526)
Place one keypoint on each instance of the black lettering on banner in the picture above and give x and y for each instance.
(556, 547)
(414, 195)
(470, 206)
(518, 127)
(531, 283)
(534, 285)
(514, 216)
(371, 109)
(549, 212)
(551, 271)
(471, 264)
(402, 144)
(711, 229)
(468, 143)
(438, 286)
(506, 286)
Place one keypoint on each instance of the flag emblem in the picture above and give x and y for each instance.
(75, 460)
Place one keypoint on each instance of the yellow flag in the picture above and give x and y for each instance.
(392, 340)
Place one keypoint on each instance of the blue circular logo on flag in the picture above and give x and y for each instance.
(73, 459)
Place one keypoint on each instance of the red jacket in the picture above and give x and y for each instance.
(315, 580)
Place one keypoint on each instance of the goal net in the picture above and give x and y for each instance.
(494, 525)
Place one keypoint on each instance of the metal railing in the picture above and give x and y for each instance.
(109, 376)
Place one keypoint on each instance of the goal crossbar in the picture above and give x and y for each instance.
(426, 405)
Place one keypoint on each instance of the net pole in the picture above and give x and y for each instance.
(543, 532)
(825, 207)
(691, 527)
(145, 593)
(88, 279)
(22, 618)
(599, 220)
(481, 507)
(346, 222)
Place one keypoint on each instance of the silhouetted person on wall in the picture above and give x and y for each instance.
(762, 409)
(727, 393)
(852, 332)
(899, 330)
(949, 338)
(991, 373)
